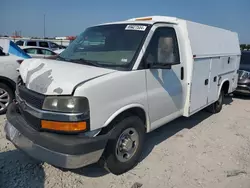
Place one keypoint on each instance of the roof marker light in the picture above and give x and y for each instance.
(143, 19)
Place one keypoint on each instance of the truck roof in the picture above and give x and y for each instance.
(154, 19)
(147, 20)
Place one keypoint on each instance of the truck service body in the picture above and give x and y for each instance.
(73, 111)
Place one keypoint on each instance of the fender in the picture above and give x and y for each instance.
(221, 83)
(127, 107)
(11, 82)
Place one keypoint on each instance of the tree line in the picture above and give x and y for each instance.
(245, 46)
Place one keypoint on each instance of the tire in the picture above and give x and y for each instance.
(113, 158)
(6, 97)
(217, 106)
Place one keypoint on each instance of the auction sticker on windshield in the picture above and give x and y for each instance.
(136, 27)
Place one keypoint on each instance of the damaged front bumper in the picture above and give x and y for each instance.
(66, 151)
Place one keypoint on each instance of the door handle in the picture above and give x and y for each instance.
(182, 73)
(206, 82)
(215, 78)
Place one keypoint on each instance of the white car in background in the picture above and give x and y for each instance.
(11, 56)
(39, 43)
(39, 52)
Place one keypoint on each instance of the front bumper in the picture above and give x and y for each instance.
(66, 151)
(243, 89)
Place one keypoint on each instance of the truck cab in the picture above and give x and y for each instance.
(115, 83)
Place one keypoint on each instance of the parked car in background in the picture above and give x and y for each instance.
(11, 56)
(244, 74)
(38, 52)
(39, 43)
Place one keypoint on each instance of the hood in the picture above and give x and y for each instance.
(51, 77)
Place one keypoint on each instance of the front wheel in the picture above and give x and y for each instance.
(217, 106)
(6, 97)
(124, 149)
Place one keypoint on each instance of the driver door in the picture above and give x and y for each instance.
(164, 75)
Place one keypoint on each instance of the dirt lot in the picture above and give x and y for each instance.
(202, 151)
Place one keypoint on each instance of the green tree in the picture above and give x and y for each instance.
(243, 46)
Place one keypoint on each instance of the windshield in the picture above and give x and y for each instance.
(110, 46)
(245, 58)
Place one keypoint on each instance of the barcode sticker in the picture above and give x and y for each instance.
(136, 27)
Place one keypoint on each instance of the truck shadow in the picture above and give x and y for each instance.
(18, 170)
(94, 170)
(163, 133)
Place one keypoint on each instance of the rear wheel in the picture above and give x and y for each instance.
(124, 149)
(217, 106)
(6, 97)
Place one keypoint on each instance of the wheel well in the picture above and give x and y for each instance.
(8, 82)
(225, 87)
(136, 111)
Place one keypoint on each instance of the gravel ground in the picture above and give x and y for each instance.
(201, 151)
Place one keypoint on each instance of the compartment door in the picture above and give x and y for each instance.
(200, 84)
(213, 79)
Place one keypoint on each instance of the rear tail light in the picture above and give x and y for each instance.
(19, 61)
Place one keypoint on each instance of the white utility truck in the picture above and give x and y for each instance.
(115, 83)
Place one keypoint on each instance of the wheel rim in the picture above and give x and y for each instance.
(127, 144)
(4, 99)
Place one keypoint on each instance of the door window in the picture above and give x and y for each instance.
(19, 43)
(31, 51)
(31, 43)
(53, 45)
(163, 47)
(47, 52)
(43, 44)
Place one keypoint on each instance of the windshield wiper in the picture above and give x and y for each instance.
(62, 58)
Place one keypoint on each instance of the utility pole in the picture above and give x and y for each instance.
(44, 26)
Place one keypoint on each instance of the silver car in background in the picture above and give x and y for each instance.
(39, 52)
(39, 43)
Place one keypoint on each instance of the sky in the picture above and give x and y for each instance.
(71, 17)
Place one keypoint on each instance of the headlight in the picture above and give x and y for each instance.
(67, 104)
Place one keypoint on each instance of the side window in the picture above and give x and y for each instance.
(53, 45)
(43, 44)
(47, 52)
(31, 43)
(31, 51)
(163, 47)
(19, 43)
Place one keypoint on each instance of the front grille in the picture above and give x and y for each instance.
(32, 120)
(32, 98)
